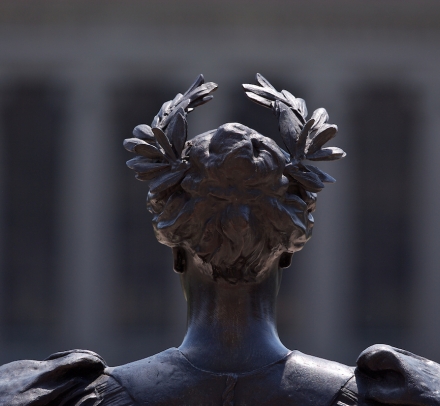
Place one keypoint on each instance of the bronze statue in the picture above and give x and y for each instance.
(234, 207)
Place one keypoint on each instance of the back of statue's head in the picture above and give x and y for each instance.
(231, 196)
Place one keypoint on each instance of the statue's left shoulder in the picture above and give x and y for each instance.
(315, 378)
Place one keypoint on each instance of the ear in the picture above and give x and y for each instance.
(285, 260)
(179, 257)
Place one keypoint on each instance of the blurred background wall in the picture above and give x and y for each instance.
(79, 264)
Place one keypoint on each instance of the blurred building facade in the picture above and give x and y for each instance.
(79, 264)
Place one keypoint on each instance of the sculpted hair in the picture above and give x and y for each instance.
(232, 196)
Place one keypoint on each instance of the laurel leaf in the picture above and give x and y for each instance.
(199, 80)
(144, 132)
(301, 106)
(177, 132)
(259, 100)
(320, 137)
(142, 165)
(130, 143)
(289, 97)
(165, 109)
(140, 147)
(147, 176)
(177, 99)
(202, 91)
(324, 177)
(149, 151)
(200, 101)
(308, 180)
(296, 102)
(166, 181)
(183, 104)
(263, 81)
(302, 138)
(290, 127)
(327, 154)
(164, 143)
(320, 116)
(286, 155)
(155, 121)
(181, 107)
(295, 200)
(265, 92)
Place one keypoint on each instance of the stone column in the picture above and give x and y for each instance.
(86, 263)
(2, 236)
(425, 198)
(327, 259)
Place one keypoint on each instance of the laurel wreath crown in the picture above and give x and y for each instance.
(162, 159)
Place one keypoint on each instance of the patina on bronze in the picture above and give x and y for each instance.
(234, 207)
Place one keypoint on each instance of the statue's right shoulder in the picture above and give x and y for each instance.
(140, 372)
(166, 378)
(74, 377)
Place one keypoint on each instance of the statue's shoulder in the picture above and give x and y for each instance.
(324, 380)
(167, 378)
(298, 379)
(72, 377)
(300, 367)
(141, 372)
